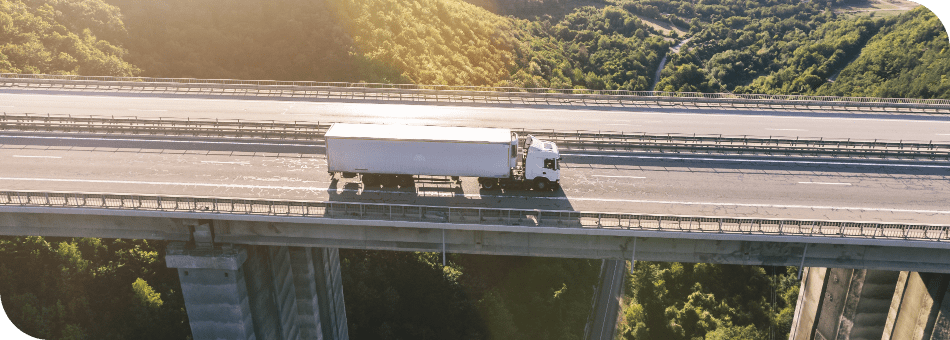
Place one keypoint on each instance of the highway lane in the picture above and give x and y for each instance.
(660, 185)
(836, 125)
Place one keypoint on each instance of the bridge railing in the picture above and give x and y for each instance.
(445, 93)
(570, 140)
(341, 211)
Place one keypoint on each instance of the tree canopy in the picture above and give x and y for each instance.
(59, 37)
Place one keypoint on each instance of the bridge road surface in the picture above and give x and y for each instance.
(655, 183)
(763, 123)
(603, 324)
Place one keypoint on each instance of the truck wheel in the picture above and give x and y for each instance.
(489, 184)
(542, 184)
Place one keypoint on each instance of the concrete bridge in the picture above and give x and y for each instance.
(870, 230)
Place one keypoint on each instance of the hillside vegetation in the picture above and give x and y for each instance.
(681, 301)
(59, 37)
(910, 58)
(87, 288)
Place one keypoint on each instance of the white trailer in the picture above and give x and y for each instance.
(390, 155)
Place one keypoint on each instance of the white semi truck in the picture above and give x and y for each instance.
(392, 155)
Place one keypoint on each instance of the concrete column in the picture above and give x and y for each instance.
(260, 292)
(319, 291)
(843, 304)
(920, 311)
(326, 262)
(215, 292)
(809, 301)
(284, 290)
(261, 295)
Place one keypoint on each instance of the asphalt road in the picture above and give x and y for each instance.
(828, 125)
(603, 321)
(633, 183)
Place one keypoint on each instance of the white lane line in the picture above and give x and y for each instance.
(161, 141)
(759, 160)
(7, 106)
(617, 176)
(786, 129)
(26, 156)
(943, 134)
(824, 183)
(216, 162)
(147, 110)
(476, 196)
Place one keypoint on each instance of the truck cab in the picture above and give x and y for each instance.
(542, 163)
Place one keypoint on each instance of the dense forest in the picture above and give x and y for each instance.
(743, 46)
(87, 288)
(91, 288)
(696, 301)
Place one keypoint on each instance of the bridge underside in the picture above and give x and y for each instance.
(498, 240)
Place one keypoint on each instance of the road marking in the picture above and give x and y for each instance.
(786, 129)
(161, 141)
(147, 110)
(943, 134)
(826, 183)
(617, 176)
(476, 196)
(216, 162)
(25, 156)
(7, 106)
(759, 160)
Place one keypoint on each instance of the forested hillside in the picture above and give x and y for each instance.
(910, 58)
(60, 36)
(87, 288)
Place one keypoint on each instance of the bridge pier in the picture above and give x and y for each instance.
(260, 292)
(837, 303)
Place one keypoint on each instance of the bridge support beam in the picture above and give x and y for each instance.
(261, 292)
(837, 303)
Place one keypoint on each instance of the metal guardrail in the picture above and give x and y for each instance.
(745, 145)
(571, 140)
(470, 94)
(162, 126)
(481, 216)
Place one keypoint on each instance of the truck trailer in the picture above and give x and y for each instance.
(393, 155)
